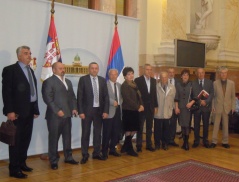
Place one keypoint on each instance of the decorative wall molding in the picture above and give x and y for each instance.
(211, 41)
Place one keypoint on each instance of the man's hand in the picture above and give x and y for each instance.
(115, 103)
(141, 108)
(74, 113)
(60, 113)
(11, 116)
(203, 103)
(35, 116)
(105, 115)
(82, 116)
(155, 110)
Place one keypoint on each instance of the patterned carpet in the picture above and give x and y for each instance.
(187, 171)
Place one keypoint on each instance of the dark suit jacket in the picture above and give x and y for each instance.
(208, 86)
(149, 99)
(57, 97)
(85, 96)
(16, 91)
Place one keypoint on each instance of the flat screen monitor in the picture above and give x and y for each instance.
(189, 53)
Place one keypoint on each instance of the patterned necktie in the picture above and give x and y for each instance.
(116, 98)
(201, 84)
(170, 81)
(30, 81)
(95, 90)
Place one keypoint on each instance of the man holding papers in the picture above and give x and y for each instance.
(202, 89)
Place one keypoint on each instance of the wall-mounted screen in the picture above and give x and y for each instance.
(189, 53)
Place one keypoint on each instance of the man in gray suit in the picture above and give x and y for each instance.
(93, 105)
(201, 83)
(58, 95)
(223, 103)
(112, 125)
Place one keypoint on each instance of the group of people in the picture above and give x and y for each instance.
(113, 109)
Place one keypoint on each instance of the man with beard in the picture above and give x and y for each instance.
(58, 94)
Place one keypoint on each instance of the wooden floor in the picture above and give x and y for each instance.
(116, 167)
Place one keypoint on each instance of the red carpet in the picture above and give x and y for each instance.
(187, 171)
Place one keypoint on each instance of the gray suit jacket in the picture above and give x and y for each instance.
(221, 102)
(112, 108)
(85, 95)
(208, 86)
(57, 97)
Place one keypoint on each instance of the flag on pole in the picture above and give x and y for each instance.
(53, 53)
(116, 60)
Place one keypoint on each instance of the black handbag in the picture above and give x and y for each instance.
(8, 132)
(196, 105)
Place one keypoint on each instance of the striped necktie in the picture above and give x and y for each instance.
(95, 90)
(30, 81)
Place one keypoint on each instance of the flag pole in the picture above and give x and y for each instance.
(52, 7)
(116, 17)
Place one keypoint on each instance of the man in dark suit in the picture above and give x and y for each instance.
(147, 88)
(201, 83)
(93, 105)
(173, 120)
(19, 93)
(58, 94)
(112, 125)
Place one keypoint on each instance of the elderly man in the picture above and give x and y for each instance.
(205, 102)
(223, 103)
(58, 94)
(112, 125)
(165, 97)
(19, 94)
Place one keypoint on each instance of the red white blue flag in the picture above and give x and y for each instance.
(53, 53)
(116, 60)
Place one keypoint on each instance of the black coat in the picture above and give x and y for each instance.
(16, 91)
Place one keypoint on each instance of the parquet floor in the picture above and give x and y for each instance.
(116, 167)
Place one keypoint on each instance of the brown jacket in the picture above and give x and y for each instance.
(221, 102)
(131, 100)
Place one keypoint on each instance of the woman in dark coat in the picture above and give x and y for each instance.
(183, 102)
(131, 106)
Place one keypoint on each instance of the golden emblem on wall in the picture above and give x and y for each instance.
(76, 67)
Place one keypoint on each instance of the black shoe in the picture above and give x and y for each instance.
(123, 149)
(25, 168)
(227, 146)
(99, 157)
(213, 145)
(54, 166)
(132, 153)
(18, 174)
(173, 144)
(114, 153)
(195, 145)
(206, 145)
(165, 147)
(151, 149)
(157, 147)
(72, 161)
(84, 160)
(139, 149)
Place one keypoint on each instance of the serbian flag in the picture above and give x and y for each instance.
(53, 53)
(115, 58)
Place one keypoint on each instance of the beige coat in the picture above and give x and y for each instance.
(165, 101)
(221, 102)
